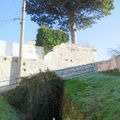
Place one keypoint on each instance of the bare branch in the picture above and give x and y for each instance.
(115, 51)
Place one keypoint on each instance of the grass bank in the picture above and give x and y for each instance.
(44, 96)
(7, 112)
(96, 95)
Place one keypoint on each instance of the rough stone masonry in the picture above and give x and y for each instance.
(63, 56)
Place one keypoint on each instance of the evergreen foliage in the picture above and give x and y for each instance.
(48, 38)
(64, 14)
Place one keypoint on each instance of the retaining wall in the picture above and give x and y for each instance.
(69, 55)
(66, 73)
(9, 68)
(111, 64)
(64, 57)
(76, 71)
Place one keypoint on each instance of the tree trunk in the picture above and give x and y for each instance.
(73, 31)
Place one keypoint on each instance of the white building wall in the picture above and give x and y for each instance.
(29, 51)
(5, 48)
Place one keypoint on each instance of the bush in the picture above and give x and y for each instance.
(42, 97)
(48, 38)
(38, 97)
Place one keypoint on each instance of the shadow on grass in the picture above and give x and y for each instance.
(114, 72)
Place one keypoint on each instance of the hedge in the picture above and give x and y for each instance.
(48, 38)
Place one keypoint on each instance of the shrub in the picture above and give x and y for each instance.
(38, 97)
(42, 97)
(48, 38)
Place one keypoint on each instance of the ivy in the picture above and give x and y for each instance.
(48, 38)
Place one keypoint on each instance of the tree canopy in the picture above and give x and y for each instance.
(68, 15)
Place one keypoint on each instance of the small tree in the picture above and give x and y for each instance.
(68, 15)
(48, 38)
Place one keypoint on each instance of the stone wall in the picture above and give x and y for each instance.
(9, 67)
(111, 64)
(118, 62)
(69, 55)
(7, 75)
(62, 57)
(77, 71)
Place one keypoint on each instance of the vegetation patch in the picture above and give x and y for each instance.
(49, 38)
(114, 72)
(96, 95)
(38, 97)
(46, 96)
(7, 112)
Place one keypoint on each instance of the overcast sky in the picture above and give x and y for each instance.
(103, 35)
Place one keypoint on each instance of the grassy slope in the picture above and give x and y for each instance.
(97, 95)
(6, 112)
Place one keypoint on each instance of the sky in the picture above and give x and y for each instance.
(104, 35)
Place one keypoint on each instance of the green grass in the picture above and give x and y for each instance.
(113, 73)
(96, 95)
(7, 112)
